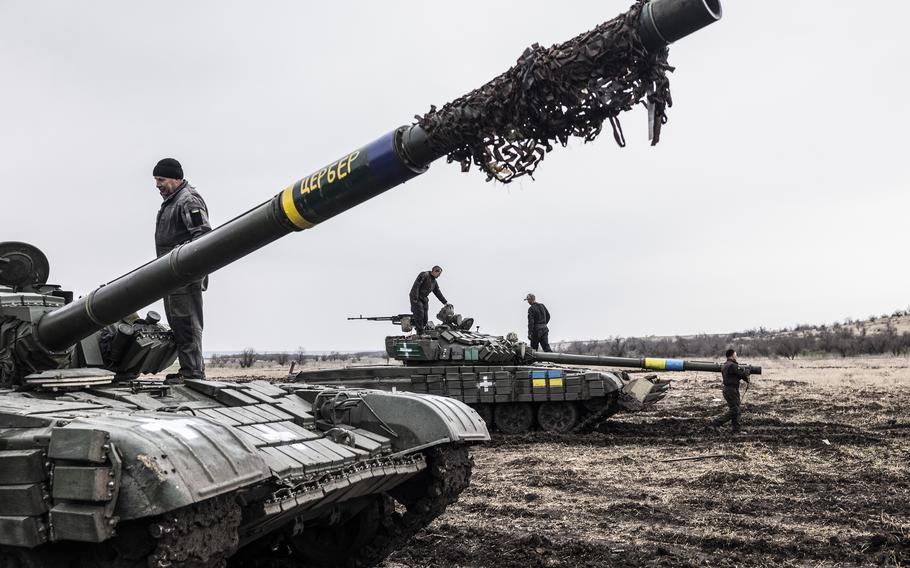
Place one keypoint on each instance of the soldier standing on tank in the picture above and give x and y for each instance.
(420, 296)
(538, 318)
(732, 374)
(183, 217)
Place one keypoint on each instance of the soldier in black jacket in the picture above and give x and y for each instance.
(732, 374)
(420, 296)
(538, 318)
(183, 217)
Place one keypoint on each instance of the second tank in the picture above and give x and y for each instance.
(514, 388)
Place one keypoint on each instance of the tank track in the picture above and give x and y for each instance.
(594, 419)
(449, 471)
(200, 536)
(205, 535)
(614, 405)
(426, 497)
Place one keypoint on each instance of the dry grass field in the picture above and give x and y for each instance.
(819, 479)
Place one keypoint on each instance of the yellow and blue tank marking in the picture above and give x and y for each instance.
(664, 364)
(543, 379)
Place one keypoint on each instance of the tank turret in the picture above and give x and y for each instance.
(121, 350)
(453, 340)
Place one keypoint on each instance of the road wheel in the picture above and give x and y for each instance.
(335, 545)
(559, 417)
(513, 417)
(486, 412)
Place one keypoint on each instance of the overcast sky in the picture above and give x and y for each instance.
(778, 194)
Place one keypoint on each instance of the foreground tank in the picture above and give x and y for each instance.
(98, 468)
(513, 387)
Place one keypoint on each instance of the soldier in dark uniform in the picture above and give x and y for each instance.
(732, 374)
(183, 217)
(538, 318)
(420, 296)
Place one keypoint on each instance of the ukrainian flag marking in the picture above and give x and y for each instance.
(675, 365)
(539, 383)
(556, 382)
(656, 364)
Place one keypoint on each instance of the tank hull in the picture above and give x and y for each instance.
(511, 398)
(250, 459)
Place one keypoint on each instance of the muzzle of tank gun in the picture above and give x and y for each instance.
(660, 23)
(664, 21)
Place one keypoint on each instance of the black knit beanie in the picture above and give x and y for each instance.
(168, 168)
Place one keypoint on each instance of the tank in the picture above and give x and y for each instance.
(513, 387)
(100, 466)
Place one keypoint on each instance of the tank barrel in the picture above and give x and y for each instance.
(349, 181)
(468, 129)
(649, 363)
(664, 21)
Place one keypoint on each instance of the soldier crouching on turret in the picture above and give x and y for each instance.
(420, 296)
(732, 374)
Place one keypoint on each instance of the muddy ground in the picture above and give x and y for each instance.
(819, 479)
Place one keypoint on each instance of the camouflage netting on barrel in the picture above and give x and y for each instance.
(507, 126)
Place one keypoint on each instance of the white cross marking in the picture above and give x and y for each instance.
(486, 384)
(405, 350)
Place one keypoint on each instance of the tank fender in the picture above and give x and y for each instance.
(419, 419)
(171, 461)
(611, 381)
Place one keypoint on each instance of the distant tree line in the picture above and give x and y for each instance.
(249, 356)
(851, 338)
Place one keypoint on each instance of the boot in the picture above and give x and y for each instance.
(173, 379)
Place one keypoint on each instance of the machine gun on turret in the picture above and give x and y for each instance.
(404, 320)
(397, 320)
(446, 315)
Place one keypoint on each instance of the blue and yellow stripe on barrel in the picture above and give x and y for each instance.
(664, 364)
(352, 179)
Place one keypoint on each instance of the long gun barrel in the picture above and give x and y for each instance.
(649, 363)
(362, 174)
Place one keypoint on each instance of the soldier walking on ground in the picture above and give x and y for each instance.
(538, 318)
(420, 296)
(183, 217)
(732, 374)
